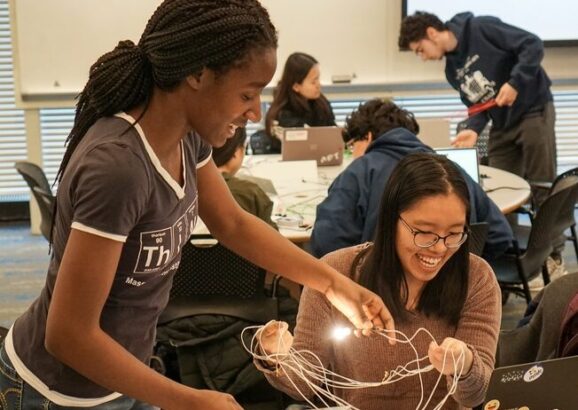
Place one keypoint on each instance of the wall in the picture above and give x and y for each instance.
(56, 41)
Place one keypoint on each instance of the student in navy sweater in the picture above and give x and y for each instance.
(489, 59)
(386, 134)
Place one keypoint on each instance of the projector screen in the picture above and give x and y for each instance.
(554, 21)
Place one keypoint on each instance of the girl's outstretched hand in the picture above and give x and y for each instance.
(364, 309)
(275, 338)
(458, 354)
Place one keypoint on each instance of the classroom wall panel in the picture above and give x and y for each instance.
(56, 41)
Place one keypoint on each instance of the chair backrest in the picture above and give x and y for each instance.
(210, 269)
(35, 178)
(477, 237)
(562, 176)
(33, 175)
(548, 224)
(211, 279)
(46, 203)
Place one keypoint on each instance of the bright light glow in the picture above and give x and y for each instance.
(340, 333)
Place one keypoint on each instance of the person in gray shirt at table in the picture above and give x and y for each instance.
(382, 133)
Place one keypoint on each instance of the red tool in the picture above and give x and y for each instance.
(478, 108)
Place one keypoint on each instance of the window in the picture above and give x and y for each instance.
(12, 128)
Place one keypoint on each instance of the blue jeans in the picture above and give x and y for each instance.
(16, 394)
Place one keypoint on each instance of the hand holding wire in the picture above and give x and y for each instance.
(275, 339)
(452, 357)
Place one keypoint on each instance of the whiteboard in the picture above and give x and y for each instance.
(56, 42)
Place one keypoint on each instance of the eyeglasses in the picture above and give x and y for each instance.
(427, 239)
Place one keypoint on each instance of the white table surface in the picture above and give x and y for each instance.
(301, 186)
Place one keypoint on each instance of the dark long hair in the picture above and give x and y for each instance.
(417, 176)
(296, 69)
(181, 38)
(222, 155)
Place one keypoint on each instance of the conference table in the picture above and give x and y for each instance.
(301, 185)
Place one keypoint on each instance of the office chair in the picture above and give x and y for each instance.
(35, 178)
(477, 237)
(567, 219)
(216, 294)
(527, 257)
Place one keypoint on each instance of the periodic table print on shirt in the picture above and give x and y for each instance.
(159, 247)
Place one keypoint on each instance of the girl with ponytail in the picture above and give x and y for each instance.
(136, 174)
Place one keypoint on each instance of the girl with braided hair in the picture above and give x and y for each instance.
(136, 174)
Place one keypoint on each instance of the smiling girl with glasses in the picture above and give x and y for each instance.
(420, 265)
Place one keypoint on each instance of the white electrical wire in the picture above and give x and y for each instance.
(306, 366)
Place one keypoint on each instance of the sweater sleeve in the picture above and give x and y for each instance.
(340, 217)
(315, 322)
(476, 122)
(527, 48)
(314, 319)
(479, 328)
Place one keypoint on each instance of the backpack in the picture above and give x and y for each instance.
(262, 143)
(568, 343)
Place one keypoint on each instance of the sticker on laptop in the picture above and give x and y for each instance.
(492, 405)
(533, 373)
(296, 135)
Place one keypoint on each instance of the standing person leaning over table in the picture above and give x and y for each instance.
(488, 59)
(136, 173)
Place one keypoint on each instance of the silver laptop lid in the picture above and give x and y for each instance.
(434, 132)
(322, 144)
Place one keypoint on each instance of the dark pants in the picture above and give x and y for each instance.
(528, 149)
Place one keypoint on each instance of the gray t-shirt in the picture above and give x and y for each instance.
(115, 187)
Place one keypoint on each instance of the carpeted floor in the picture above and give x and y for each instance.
(24, 260)
(23, 263)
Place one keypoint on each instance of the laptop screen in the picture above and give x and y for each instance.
(467, 158)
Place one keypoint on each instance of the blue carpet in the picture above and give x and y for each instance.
(23, 264)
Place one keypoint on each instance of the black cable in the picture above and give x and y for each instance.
(515, 188)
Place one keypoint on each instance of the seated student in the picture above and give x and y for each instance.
(420, 265)
(382, 134)
(229, 159)
(297, 100)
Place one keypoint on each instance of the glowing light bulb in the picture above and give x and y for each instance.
(340, 333)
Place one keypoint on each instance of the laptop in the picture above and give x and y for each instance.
(322, 144)
(467, 158)
(434, 132)
(547, 385)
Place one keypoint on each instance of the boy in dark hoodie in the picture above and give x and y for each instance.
(487, 59)
(382, 134)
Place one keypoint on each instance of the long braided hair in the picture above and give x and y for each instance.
(181, 38)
